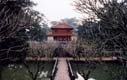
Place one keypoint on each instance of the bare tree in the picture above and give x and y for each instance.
(43, 49)
(34, 75)
(40, 51)
(111, 18)
(15, 16)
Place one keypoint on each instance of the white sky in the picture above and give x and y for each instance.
(55, 10)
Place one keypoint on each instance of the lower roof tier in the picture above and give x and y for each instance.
(61, 34)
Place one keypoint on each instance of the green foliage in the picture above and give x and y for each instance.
(71, 21)
(37, 32)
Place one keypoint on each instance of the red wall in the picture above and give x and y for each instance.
(61, 31)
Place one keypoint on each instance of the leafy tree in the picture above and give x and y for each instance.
(54, 22)
(37, 31)
(71, 21)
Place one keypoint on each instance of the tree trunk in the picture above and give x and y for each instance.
(123, 51)
(0, 72)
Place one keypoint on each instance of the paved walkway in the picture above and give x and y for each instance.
(62, 73)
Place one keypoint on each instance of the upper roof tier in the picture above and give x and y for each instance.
(62, 26)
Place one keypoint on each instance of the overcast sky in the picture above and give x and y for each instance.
(55, 10)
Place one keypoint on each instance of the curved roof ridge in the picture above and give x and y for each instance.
(62, 25)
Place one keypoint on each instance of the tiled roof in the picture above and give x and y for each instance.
(62, 25)
(61, 34)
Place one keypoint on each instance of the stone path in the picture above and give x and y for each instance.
(62, 73)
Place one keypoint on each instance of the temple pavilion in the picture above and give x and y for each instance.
(62, 32)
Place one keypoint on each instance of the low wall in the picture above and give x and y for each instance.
(71, 74)
(54, 70)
